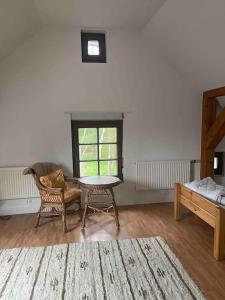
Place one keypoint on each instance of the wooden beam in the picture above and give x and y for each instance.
(207, 163)
(208, 118)
(219, 92)
(217, 131)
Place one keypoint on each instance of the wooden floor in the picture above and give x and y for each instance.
(191, 239)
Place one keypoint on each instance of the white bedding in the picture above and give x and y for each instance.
(208, 188)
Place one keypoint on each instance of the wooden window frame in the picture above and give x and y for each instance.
(75, 125)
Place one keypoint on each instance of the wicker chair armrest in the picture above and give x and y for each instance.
(71, 179)
(57, 191)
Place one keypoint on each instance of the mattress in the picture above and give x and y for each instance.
(208, 188)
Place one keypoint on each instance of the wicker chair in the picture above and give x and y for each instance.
(54, 201)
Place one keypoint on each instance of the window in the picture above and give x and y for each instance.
(93, 47)
(218, 163)
(215, 163)
(97, 148)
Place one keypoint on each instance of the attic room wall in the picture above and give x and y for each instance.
(188, 34)
(18, 21)
(45, 78)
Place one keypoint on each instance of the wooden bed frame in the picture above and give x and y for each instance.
(213, 130)
(208, 211)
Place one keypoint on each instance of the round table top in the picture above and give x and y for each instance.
(100, 180)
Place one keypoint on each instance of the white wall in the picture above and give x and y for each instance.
(18, 21)
(45, 78)
(189, 33)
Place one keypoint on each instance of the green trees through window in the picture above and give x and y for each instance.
(97, 148)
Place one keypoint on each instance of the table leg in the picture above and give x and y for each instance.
(85, 208)
(115, 208)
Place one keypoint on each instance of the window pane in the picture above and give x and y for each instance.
(93, 48)
(89, 168)
(107, 135)
(107, 151)
(87, 135)
(215, 162)
(109, 167)
(88, 152)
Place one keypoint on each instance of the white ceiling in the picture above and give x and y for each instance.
(18, 20)
(191, 35)
(126, 14)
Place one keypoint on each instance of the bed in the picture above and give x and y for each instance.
(210, 212)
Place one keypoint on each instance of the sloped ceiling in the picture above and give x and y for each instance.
(126, 14)
(191, 35)
(18, 20)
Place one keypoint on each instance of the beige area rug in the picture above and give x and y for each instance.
(118, 270)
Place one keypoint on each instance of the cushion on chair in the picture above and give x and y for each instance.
(54, 179)
(71, 194)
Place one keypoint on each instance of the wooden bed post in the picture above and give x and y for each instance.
(219, 235)
(177, 201)
(213, 130)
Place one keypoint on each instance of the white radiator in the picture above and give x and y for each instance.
(15, 185)
(154, 175)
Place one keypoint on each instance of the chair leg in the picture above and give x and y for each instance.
(64, 221)
(38, 218)
(85, 209)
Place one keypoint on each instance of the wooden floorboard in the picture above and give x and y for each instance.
(191, 239)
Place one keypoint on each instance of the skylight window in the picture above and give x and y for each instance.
(93, 48)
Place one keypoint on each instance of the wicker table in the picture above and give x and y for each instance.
(99, 186)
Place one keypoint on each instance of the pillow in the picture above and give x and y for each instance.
(54, 179)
